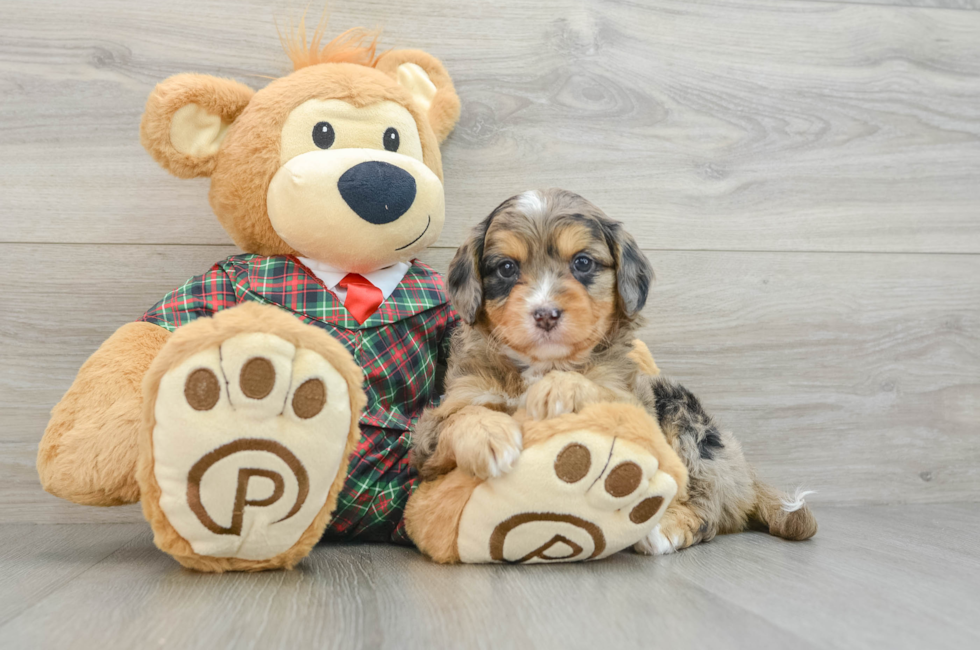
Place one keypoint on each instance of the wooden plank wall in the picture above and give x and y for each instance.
(805, 176)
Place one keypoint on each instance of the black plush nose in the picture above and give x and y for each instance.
(546, 319)
(377, 191)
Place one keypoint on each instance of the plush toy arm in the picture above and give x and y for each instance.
(89, 449)
(643, 359)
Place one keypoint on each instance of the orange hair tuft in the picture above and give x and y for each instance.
(356, 45)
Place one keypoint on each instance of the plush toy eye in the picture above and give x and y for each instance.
(507, 269)
(583, 264)
(323, 135)
(391, 139)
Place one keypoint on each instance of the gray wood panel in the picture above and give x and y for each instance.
(36, 561)
(854, 374)
(874, 577)
(929, 4)
(749, 125)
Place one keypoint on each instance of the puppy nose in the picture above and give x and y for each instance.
(547, 318)
(377, 192)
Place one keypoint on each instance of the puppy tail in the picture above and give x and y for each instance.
(784, 516)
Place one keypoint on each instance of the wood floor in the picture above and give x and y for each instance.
(874, 577)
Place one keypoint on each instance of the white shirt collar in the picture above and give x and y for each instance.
(386, 279)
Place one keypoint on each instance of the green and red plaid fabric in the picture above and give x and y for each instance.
(398, 347)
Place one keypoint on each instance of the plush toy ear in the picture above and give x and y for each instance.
(187, 117)
(424, 76)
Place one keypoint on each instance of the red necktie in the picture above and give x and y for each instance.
(363, 298)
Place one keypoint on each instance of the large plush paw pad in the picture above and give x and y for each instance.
(248, 440)
(577, 496)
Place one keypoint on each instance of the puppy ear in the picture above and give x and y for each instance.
(633, 271)
(187, 118)
(430, 85)
(465, 284)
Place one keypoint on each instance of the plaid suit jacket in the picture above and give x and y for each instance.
(398, 348)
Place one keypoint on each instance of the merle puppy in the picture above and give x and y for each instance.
(550, 291)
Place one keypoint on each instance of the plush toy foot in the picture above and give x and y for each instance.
(247, 436)
(586, 486)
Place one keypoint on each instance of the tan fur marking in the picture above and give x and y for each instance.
(508, 244)
(572, 239)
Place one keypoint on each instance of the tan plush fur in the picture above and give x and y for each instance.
(444, 111)
(88, 453)
(356, 45)
(223, 97)
(434, 511)
(211, 332)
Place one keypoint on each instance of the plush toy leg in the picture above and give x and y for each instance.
(586, 486)
(89, 449)
(250, 418)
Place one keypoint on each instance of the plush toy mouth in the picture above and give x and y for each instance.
(427, 224)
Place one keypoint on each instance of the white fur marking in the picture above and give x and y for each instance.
(532, 204)
(542, 292)
(798, 500)
(656, 543)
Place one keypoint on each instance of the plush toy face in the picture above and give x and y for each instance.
(338, 162)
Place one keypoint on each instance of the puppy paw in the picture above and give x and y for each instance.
(558, 393)
(678, 529)
(487, 445)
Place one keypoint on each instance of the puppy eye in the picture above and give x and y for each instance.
(583, 264)
(323, 135)
(391, 139)
(507, 269)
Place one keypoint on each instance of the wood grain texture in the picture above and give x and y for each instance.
(854, 374)
(972, 5)
(36, 561)
(748, 125)
(874, 577)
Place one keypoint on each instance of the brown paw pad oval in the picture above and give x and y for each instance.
(309, 398)
(623, 479)
(202, 390)
(258, 378)
(573, 463)
(646, 509)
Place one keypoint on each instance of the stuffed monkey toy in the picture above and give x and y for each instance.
(268, 402)
(246, 433)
